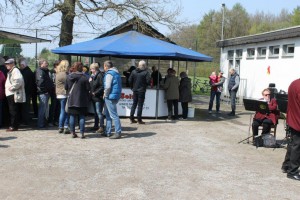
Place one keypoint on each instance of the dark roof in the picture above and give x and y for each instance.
(15, 38)
(138, 25)
(291, 32)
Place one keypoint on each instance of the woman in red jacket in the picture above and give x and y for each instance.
(2, 94)
(265, 119)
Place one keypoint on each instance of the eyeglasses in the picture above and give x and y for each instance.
(267, 95)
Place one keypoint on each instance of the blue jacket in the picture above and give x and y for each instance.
(116, 85)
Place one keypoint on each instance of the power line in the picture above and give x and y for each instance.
(49, 30)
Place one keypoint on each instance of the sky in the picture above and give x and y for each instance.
(192, 13)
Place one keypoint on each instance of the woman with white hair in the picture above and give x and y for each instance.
(96, 83)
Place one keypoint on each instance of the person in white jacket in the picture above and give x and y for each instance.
(15, 93)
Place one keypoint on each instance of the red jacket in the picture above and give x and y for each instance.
(273, 115)
(2, 85)
(293, 109)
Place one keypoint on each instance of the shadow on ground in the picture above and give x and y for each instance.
(137, 135)
(8, 138)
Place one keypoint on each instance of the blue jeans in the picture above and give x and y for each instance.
(98, 108)
(232, 100)
(112, 113)
(63, 116)
(43, 106)
(214, 94)
(81, 123)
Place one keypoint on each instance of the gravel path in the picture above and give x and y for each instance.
(195, 159)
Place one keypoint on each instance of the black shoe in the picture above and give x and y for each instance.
(74, 135)
(82, 136)
(284, 170)
(141, 122)
(231, 114)
(60, 130)
(133, 121)
(295, 177)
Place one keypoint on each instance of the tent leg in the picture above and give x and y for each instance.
(157, 93)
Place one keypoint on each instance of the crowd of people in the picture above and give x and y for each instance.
(71, 89)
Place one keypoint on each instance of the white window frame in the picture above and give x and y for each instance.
(259, 52)
(286, 48)
(272, 51)
(230, 64)
(237, 55)
(250, 50)
(230, 54)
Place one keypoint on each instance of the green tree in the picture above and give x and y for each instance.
(49, 56)
(295, 17)
(12, 50)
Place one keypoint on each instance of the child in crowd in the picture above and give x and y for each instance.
(213, 78)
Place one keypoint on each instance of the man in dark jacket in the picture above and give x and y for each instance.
(28, 76)
(156, 76)
(139, 79)
(233, 86)
(44, 87)
(97, 88)
(185, 94)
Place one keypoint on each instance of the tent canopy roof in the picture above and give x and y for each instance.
(14, 38)
(132, 45)
(138, 25)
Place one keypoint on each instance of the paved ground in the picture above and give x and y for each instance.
(195, 159)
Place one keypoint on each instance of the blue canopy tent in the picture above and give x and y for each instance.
(132, 44)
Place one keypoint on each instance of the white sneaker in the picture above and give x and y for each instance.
(209, 111)
(219, 112)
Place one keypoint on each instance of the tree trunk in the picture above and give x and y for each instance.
(67, 22)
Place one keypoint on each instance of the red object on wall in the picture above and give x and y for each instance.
(268, 70)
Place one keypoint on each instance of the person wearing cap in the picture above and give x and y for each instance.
(233, 86)
(216, 90)
(15, 93)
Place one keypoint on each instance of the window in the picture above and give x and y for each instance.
(230, 64)
(250, 52)
(230, 54)
(288, 50)
(239, 53)
(261, 52)
(274, 51)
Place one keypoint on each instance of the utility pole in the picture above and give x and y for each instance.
(222, 34)
(223, 17)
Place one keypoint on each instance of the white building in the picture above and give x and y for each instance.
(271, 57)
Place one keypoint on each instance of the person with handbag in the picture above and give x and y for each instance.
(77, 87)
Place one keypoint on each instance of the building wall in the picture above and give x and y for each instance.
(254, 71)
